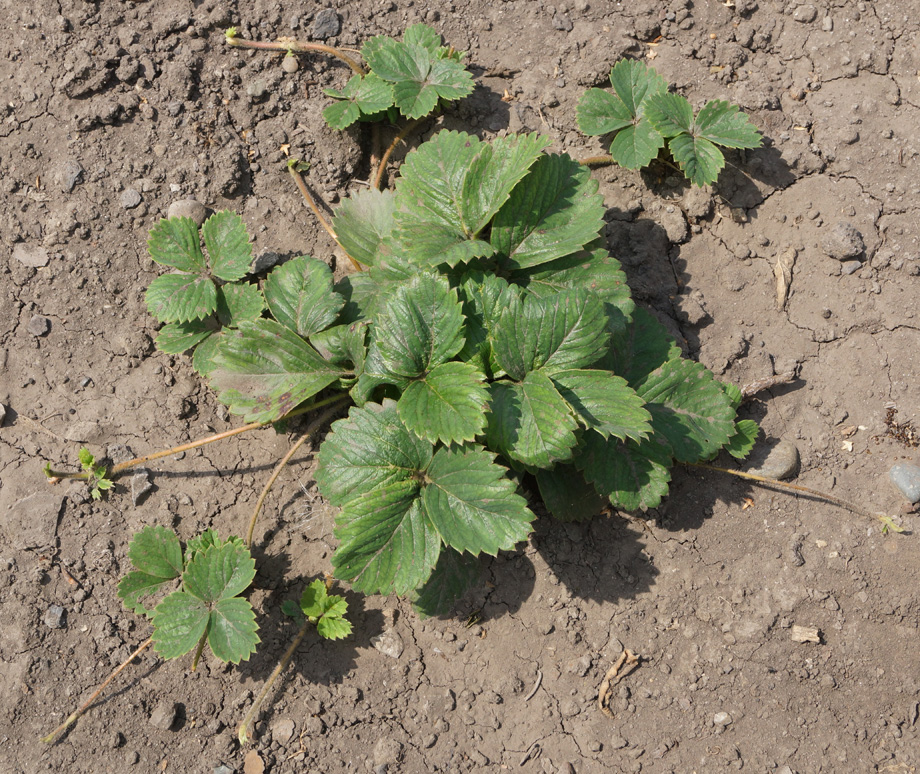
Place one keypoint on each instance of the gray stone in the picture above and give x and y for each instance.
(223, 768)
(140, 486)
(33, 256)
(38, 325)
(69, 175)
(256, 89)
(774, 458)
(844, 242)
(906, 478)
(55, 617)
(265, 260)
(130, 198)
(722, 719)
(389, 643)
(32, 521)
(290, 64)
(326, 25)
(2, 414)
(188, 208)
(850, 267)
(805, 14)
(282, 730)
(164, 716)
(562, 21)
(387, 751)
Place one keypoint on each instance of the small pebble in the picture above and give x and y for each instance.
(265, 260)
(562, 21)
(164, 715)
(774, 459)
(69, 175)
(223, 768)
(827, 24)
(722, 719)
(140, 485)
(282, 730)
(253, 763)
(850, 267)
(844, 242)
(38, 325)
(2, 414)
(389, 643)
(188, 208)
(256, 89)
(32, 256)
(290, 64)
(805, 14)
(906, 478)
(326, 25)
(130, 198)
(387, 751)
(55, 617)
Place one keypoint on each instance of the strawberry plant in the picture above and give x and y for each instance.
(642, 116)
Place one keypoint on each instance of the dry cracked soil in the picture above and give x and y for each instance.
(111, 111)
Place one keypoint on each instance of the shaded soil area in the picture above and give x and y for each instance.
(112, 111)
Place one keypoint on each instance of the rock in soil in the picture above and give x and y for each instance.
(164, 716)
(69, 175)
(906, 478)
(188, 208)
(130, 198)
(774, 459)
(140, 485)
(844, 242)
(38, 325)
(55, 617)
(32, 522)
(33, 256)
(327, 24)
(389, 643)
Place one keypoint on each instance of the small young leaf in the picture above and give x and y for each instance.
(604, 402)
(300, 296)
(670, 114)
(447, 404)
(386, 540)
(553, 212)
(743, 439)
(633, 475)
(473, 504)
(600, 112)
(453, 575)
(362, 95)
(313, 601)
(176, 338)
(484, 295)
(724, 124)
(343, 345)
(291, 609)
(363, 223)
(175, 242)
(530, 422)
(333, 627)
(265, 370)
(566, 494)
(369, 449)
(228, 245)
(181, 297)
(239, 302)
(421, 326)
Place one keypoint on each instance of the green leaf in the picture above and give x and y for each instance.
(363, 223)
(451, 187)
(291, 609)
(641, 348)
(724, 124)
(136, 585)
(604, 402)
(205, 352)
(179, 622)
(156, 551)
(447, 404)
(670, 114)
(239, 302)
(300, 296)
(553, 212)
(175, 242)
(369, 449)
(699, 159)
(265, 370)
(366, 292)
(636, 146)
(219, 572)
(633, 475)
(689, 409)
(204, 541)
(176, 338)
(386, 540)
(343, 345)
(333, 627)
(484, 295)
(566, 494)
(181, 297)
(567, 330)
(530, 422)
(232, 630)
(420, 327)
(743, 439)
(343, 113)
(314, 602)
(362, 95)
(228, 245)
(600, 112)
(424, 36)
(473, 504)
(453, 575)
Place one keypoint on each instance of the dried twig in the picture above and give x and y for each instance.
(627, 659)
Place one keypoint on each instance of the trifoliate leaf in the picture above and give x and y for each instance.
(447, 404)
(530, 422)
(688, 408)
(179, 622)
(600, 112)
(362, 95)
(743, 439)
(333, 627)
(420, 327)
(238, 302)
(604, 402)
(633, 475)
(300, 296)
(314, 602)
(451, 187)
(264, 370)
(670, 114)
(363, 223)
(386, 540)
(724, 124)
(181, 297)
(553, 212)
(228, 245)
(640, 348)
(156, 551)
(453, 575)
(176, 338)
(699, 159)
(232, 630)
(422, 35)
(636, 146)
(220, 571)
(329, 611)
(175, 242)
(369, 449)
(473, 504)
(566, 494)
(567, 330)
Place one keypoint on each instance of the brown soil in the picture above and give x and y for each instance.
(104, 99)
